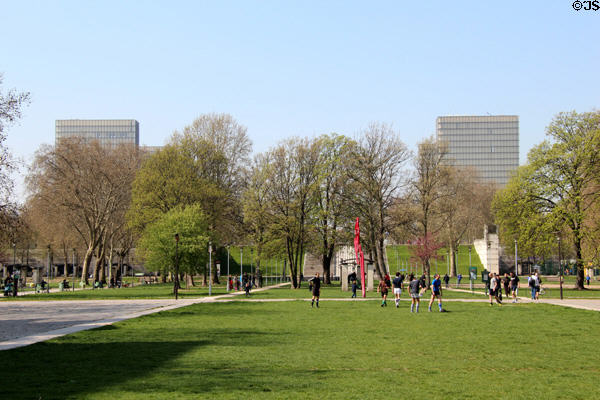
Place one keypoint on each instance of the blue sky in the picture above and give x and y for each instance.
(285, 68)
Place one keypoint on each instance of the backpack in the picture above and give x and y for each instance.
(531, 282)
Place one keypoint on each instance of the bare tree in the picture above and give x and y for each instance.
(376, 173)
(86, 184)
(431, 174)
(11, 105)
(293, 177)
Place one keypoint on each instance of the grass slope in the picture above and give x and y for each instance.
(400, 258)
(340, 351)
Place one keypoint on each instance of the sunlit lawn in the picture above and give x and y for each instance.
(344, 350)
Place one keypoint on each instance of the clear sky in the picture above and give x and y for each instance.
(285, 68)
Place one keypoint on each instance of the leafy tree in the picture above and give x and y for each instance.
(332, 220)
(157, 243)
(559, 184)
(205, 164)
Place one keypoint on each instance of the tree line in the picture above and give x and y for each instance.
(302, 195)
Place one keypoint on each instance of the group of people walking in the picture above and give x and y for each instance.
(496, 282)
(417, 287)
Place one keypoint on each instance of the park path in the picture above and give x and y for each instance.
(26, 322)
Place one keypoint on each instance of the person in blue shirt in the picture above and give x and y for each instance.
(436, 291)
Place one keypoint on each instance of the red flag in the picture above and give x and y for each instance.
(360, 258)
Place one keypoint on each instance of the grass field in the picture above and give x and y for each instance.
(340, 351)
(399, 258)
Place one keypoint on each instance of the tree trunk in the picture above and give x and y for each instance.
(452, 260)
(327, 257)
(66, 256)
(97, 270)
(215, 277)
(579, 266)
(189, 280)
(86, 265)
(293, 265)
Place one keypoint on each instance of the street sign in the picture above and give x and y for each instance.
(473, 273)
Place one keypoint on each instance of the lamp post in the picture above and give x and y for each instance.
(74, 270)
(15, 275)
(516, 258)
(176, 280)
(251, 262)
(228, 269)
(561, 268)
(209, 268)
(48, 271)
(241, 262)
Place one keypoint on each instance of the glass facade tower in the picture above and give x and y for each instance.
(490, 144)
(110, 133)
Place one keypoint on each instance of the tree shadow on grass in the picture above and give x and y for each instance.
(59, 370)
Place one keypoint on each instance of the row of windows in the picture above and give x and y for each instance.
(507, 152)
(84, 129)
(477, 118)
(467, 144)
(95, 122)
(491, 158)
(110, 134)
(451, 134)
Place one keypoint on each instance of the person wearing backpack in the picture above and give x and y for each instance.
(532, 285)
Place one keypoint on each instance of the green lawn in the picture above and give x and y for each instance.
(400, 258)
(343, 350)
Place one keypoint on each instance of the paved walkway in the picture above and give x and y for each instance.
(27, 322)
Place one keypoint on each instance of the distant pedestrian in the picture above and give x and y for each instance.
(237, 283)
(436, 292)
(315, 284)
(458, 279)
(533, 285)
(383, 289)
(506, 282)
(415, 285)
(446, 280)
(247, 285)
(588, 278)
(495, 289)
(538, 288)
(354, 287)
(397, 283)
(514, 286)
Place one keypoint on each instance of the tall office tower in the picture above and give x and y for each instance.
(490, 144)
(109, 133)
